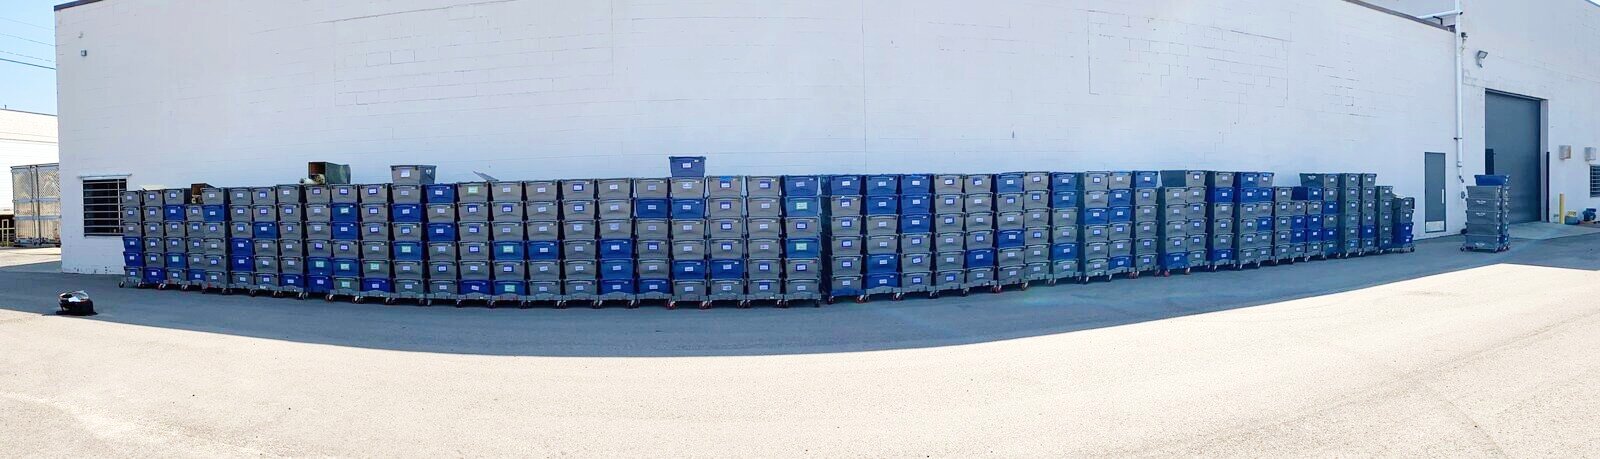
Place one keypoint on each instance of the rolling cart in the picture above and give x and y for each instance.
(344, 287)
(980, 278)
(948, 281)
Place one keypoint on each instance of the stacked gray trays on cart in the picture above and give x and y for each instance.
(762, 243)
(408, 246)
(618, 262)
(915, 203)
(978, 221)
(1146, 226)
(1035, 217)
(377, 273)
(1386, 220)
(884, 256)
(725, 228)
(1322, 234)
(130, 214)
(1283, 213)
(1488, 227)
(291, 204)
(579, 237)
(1369, 213)
(264, 237)
(949, 234)
(1348, 221)
(801, 249)
(542, 226)
(1194, 211)
(1173, 233)
(1119, 226)
(343, 209)
(214, 234)
(690, 272)
(1094, 216)
(1066, 193)
(1222, 209)
(846, 236)
(651, 229)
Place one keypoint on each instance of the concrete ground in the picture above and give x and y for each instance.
(1438, 353)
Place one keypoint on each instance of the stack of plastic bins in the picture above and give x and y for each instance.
(377, 275)
(263, 236)
(498, 224)
(917, 260)
(1488, 207)
(439, 233)
(1119, 229)
(652, 207)
(615, 229)
(1010, 223)
(214, 231)
(579, 241)
(846, 236)
(291, 240)
(1369, 213)
(1146, 225)
(471, 228)
(194, 239)
(978, 219)
(883, 236)
(763, 243)
(1066, 192)
(318, 231)
(1385, 211)
(1348, 218)
(725, 230)
(949, 236)
(1283, 246)
(1174, 230)
(1313, 191)
(1222, 210)
(1196, 213)
(802, 247)
(343, 233)
(407, 248)
(1036, 227)
(688, 237)
(1094, 217)
(541, 222)
(1402, 239)
(133, 249)
(175, 241)
(1247, 211)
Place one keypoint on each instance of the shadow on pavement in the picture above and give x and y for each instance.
(879, 325)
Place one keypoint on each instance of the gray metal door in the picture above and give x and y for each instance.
(1511, 139)
(1433, 194)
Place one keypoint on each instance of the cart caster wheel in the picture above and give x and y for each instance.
(633, 304)
(425, 302)
(329, 297)
(933, 295)
(784, 304)
(1188, 270)
(744, 304)
(1025, 286)
(301, 296)
(1133, 275)
(597, 305)
(388, 301)
(121, 284)
(898, 297)
(861, 299)
(672, 305)
(704, 305)
(964, 292)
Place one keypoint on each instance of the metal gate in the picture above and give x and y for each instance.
(36, 193)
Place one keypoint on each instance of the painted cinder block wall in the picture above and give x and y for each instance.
(239, 92)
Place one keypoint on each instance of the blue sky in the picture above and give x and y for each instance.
(27, 34)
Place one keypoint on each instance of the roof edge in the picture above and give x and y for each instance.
(75, 3)
(1357, 2)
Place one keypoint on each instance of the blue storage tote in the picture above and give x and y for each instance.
(1009, 182)
(443, 193)
(1178, 260)
(1119, 198)
(616, 269)
(883, 205)
(688, 208)
(727, 269)
(916, 204)
(344, 212)
(345, 231)
(916, 184)
(617, 286)
(688, 270)
(687, 166)
(264, 230)
(1221, 195)
(242, 263)
(478, 287)
(544, 250)
(980, 258)
(844, 185)
(405, 213)
(652, 208)
(319, 284)
(616, 248)
(883, 264)
(214, 213)
(345, 267)
(885, 280)
(510, 251)
(439, 232)
(802, 207)
(800, 185)
(1064, 199)
(319, 266)
(803, 248)
(1146, 179)
(1010, 238)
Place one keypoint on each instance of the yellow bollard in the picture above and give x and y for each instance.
(1561, 215)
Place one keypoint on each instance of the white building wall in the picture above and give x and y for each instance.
(25, 138)
(238, 92)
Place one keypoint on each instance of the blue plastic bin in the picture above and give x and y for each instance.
(652, 208)
(687, 166)
(264, 230)
(689, 270)
(1064, 199)
(437, 232)
(883, 205)
(688, 208)
(242, 263)
(1121, 215)
(727, 269)
(616, 248)
(214, 213)
(883, 264)
(1492, 180)
(919, 223)
(1010, 239)
(1066, 181)
(442, 193)
(1009, 182)
(916, 204)
(1096, 216)
(845, 185)
(916, 184)
(1120, 198)
(980, 258)
(346, 267)
(477, 287)
(1146, 179)
(801, 185)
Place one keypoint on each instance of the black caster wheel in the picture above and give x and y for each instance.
(1025, 286)
(744, 304)
(1133, 275)
(121, 284)
(964, 292)
(597, 305)
(672, 305)
(933, 295)
(329, 297)
(360, 299)
(898, 297)
(830, 300)
(425, 302)
(1052, 282)
(861, 299)
(633, 304)
(388, 301)
(704, 305)
(784, 304)
(1186, 271)
(301, 296)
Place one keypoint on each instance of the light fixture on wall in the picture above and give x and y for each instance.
(1481, 56)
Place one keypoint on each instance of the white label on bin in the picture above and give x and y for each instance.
(686, 164)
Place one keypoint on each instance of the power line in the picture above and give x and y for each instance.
(2, 59)
(29, 24)
(40, 59)
(27, 39)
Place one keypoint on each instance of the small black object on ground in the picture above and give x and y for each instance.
(76, 304)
